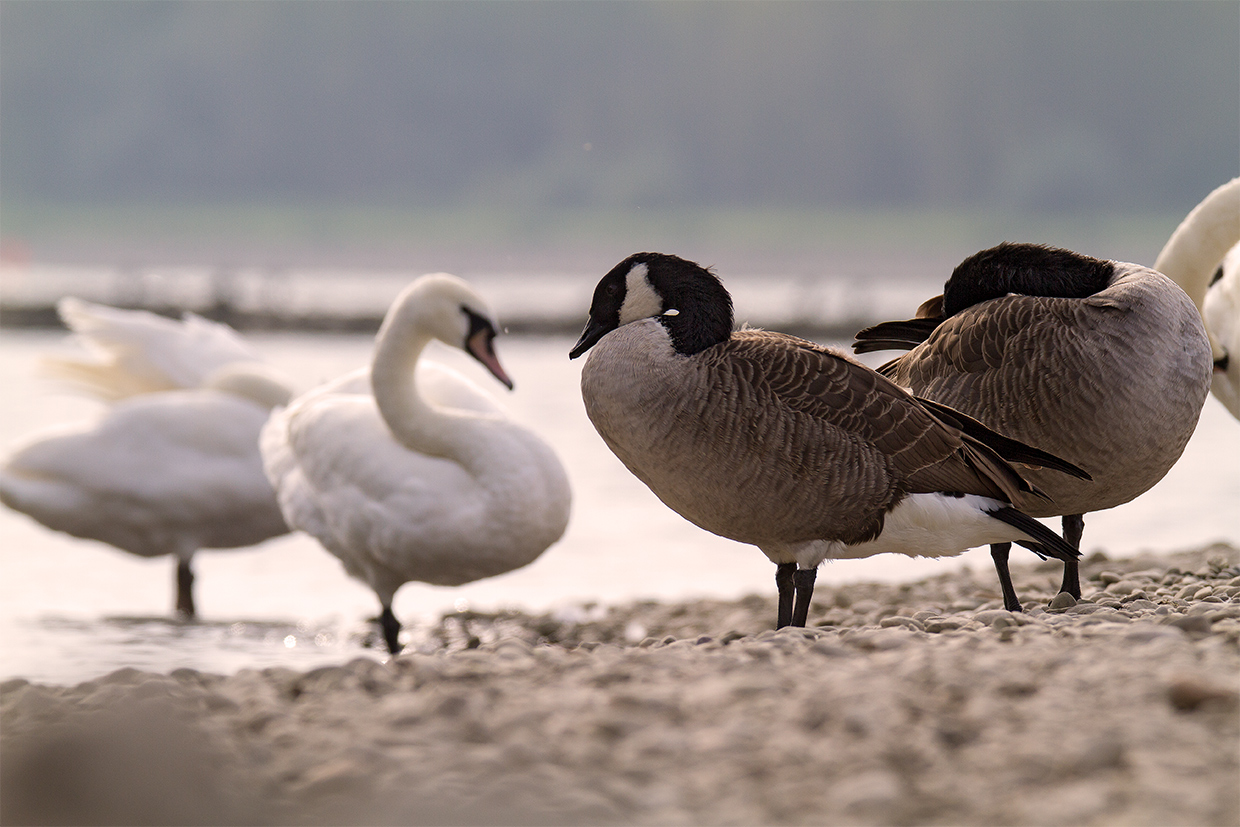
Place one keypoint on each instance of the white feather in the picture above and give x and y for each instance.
(171, 467)
(424, 479)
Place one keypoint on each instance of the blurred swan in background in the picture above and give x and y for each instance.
(172, 465)
(408, 470)
(1203, 257)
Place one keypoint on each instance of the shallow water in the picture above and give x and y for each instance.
(72, 609)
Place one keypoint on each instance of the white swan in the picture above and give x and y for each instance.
(1203, 257)
(171, 467)
(424, 478)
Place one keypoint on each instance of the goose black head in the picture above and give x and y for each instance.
(1027, 270)
(686, 298)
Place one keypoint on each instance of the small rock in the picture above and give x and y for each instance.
(1061, 601)
(1191, 623)
(1192, 694)
(902, 622)
(942, 624)
(1143, 632)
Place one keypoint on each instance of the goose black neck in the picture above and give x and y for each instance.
(1027, 270)
(703, 306)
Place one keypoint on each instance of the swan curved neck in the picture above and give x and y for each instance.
(413, 421)
(1193, 253)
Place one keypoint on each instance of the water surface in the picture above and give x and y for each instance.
(73, 609)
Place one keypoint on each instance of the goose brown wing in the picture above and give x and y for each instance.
(851, 405)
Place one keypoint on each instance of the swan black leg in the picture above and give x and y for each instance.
(999, 552)
(1073, 528)
(185, 590)
(783, 582)
(803, 579)
(391, 630)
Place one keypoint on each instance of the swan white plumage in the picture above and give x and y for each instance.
(409, 471)
(1203, 257)
(172, 465)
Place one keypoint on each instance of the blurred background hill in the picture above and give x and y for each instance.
(551, 134)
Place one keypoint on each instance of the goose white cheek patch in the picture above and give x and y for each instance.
(640, 299)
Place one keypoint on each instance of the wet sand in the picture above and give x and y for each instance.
(919, 703)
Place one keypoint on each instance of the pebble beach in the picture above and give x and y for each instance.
(915, 703)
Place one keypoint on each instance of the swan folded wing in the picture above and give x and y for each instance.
(135, 351)
(448, 388)
(154, 468)
(351, 487)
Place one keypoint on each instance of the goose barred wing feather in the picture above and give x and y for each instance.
(993, 354)
(891, 443)
(902, 335)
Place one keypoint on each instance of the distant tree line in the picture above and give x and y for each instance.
(565, 105)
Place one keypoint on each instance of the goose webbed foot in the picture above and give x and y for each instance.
(999, 553)
(185, 591)
(391, 630)
(784, 584)
(1073, 528)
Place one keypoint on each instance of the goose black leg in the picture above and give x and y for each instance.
(1073, 528)
(999, 552)
(391, 630)
(185, 590)
(783, 582)
(803, 579)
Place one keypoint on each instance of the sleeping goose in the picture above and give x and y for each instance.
(172, 465)
(409, 471)
(776, 441)
(1101, 362)
(1203, 257)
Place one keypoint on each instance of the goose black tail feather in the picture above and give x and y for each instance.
(1049, 544)
(901, 335)
(1010, 449)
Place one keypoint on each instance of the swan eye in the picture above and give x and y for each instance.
(477, 323)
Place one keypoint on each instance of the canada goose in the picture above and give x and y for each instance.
(172, 465)
(1101, 362)
(772, 440)
(1203, 257)
(418, 479)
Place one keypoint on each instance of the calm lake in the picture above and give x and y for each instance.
(73, 609)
